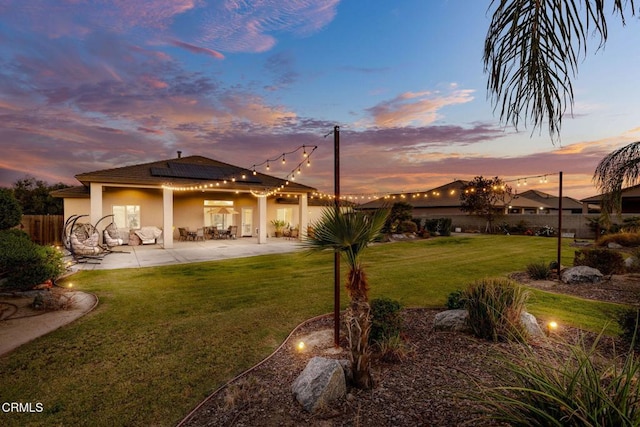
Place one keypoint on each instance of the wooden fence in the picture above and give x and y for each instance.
(43, 229)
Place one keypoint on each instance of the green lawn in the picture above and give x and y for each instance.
(163, 338)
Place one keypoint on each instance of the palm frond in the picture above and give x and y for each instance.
(531, 55)
(345, 232)
(618, 170)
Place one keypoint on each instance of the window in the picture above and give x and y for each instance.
(127, 216)
(218, 213)
(285, 214)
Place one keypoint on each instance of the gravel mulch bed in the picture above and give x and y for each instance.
(430, 386)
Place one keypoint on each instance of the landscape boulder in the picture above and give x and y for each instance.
(452, 320)
(581, 274)
(458, 321)
(321, 382)
(530, 324)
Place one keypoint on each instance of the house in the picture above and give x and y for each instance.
(630, 201)
(537, 202)
(193, 192)
(445, 200)
(442, 201)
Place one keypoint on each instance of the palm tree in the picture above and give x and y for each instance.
(531, 55)
(349, 233)
(617, 170)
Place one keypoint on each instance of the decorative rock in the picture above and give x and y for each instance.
(321, 382)
(630, 262)
(614, 245)
(531, 325)
(452, 320)
(581, 274)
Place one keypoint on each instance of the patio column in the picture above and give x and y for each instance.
(167, 218)
(303, 214)
(262, 220)
(95, 212)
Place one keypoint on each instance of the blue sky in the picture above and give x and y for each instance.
(88, 85)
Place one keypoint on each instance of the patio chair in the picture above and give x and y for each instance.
(199, 234)
(184, 234)
(215, 234)
(233, 231)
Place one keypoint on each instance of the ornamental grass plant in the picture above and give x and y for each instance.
(572, 385)
(495, 307)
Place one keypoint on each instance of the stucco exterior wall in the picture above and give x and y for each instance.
(76, 207)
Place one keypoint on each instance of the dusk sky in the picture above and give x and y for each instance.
(91, 85)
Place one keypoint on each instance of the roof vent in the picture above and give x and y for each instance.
(179, 154)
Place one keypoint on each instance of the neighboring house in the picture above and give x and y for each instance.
(537, 202)
(630, 200)
(191, 192)
(443, 200)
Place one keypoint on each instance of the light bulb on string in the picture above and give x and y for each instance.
(304, 151)
(283, 159)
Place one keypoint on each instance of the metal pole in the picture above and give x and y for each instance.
(559, 223)
(336, 255)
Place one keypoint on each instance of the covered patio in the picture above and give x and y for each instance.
(188, 252)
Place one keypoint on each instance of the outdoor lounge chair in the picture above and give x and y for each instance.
(233, 231)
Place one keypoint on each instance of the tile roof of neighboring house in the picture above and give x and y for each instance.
(181, 171)
(536, 199)
(447, 195)
(629, 192)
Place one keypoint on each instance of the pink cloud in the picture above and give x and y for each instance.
(415, 108)
(197, 49)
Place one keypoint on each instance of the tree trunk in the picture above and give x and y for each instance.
(358, 323)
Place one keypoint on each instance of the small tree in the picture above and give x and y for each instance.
(35, 197)
(10, 211)
(400, 212)
(486, 198)
(349, 233)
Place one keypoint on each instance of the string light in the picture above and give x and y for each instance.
(306, 158)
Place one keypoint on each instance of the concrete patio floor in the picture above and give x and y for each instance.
(187, 252)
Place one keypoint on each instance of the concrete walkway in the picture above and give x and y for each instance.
(187, 252)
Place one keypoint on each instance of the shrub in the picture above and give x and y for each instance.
(539, 270)
(10, 210)
(605, 260)
(455, 300)
(495, 307)
(574, 387)
(624, 239)
(628, 321)
(25, 263)
(438, 226)
(393, 349)
(407, 226)
(386, 319)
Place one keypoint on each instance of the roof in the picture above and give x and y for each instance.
(447, 195)
(537, 199)
(629, 192)
(183, 172)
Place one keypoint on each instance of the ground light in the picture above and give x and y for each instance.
(551, 327)
(300, 346)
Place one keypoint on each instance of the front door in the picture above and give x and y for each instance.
(247, 222)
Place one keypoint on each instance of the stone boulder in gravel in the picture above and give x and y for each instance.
(581, 274)
(530, 324)
(452, 320)
(458, 321)
(321, 382)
